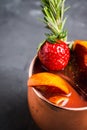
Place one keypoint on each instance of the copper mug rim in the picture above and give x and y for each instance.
(54, 106)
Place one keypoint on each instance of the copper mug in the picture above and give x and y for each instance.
(51, 117)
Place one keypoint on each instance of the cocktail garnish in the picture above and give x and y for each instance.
(54, 52)
(80, 49)
(46, 79)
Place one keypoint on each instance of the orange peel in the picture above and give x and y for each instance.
(44, 79)
(79, 42)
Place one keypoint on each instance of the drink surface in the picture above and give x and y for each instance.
(73, 76)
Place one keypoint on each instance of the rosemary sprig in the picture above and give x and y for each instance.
(54, 19)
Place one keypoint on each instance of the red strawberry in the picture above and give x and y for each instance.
(54, 56)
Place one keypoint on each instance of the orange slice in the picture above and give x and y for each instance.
(81, 43)
(46, 79)
(59, 100)
(80, 49)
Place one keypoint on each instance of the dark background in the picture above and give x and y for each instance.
(20, 34)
